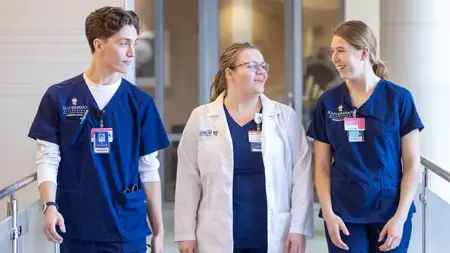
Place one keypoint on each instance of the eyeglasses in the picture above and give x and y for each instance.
(254, 66)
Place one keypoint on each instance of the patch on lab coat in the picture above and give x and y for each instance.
(208, 132)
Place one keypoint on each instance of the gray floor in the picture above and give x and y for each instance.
(316, 245)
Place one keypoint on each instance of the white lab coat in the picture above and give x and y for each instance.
(204, 186)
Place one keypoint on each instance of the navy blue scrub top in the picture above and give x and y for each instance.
(90, 187)
(249, 189)
(366, 177)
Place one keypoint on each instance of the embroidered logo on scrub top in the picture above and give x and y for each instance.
(74, 110)
(340, 114)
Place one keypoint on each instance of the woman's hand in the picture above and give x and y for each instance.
(295, 243)
(334, 226)
(187, 246)
(394, 231)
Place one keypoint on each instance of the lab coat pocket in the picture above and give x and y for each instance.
(133, 210)
(280, 223)
(68, 201)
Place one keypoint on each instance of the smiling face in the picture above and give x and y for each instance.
(117, 51)
(349, 61)
(249, 73)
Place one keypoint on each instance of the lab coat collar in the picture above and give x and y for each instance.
(216, 107)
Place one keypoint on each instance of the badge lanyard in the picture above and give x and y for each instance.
(254, 137)
(355, 128)
(101, 137)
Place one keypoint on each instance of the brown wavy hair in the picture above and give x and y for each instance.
(107, 21)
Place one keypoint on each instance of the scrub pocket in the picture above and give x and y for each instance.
(390, 193)
(133, 211)
(69, 131)
(350, 197)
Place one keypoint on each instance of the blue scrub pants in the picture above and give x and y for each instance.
(363, 238)
(250, 251)
(78, 246)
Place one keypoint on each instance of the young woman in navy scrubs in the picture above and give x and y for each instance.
(244, 180)
(98, 137)
(367, 159)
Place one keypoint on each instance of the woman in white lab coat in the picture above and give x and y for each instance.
(244, 181)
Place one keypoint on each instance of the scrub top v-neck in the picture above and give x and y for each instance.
(249, 192)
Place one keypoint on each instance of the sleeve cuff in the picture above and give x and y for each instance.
(308, 232)
(47, 161)
(46, 173)
(420, 127)
(149, 176)
(184, 237)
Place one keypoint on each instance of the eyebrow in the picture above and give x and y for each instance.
(128, 39)
(338, 47)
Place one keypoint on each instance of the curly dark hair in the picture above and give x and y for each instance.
(107, 21)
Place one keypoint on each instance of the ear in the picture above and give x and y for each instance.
(365, 54)
(228, 73)
(98, 45)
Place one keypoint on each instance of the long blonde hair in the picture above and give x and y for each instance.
(227, 60)
(359, 35)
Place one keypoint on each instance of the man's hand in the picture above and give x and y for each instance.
(51, 219)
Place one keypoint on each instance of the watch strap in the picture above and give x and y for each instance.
(47, 204)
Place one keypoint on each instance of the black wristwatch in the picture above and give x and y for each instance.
(47, 204)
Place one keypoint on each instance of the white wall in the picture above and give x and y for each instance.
(414, 42)
(413, 39)
(367, 11)
(42, 43)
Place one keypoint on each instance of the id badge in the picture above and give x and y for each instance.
(355, 136)
(101, 139)
(351, 124)
(254, 137)
(256, 147)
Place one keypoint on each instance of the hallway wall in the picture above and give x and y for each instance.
(43, 43)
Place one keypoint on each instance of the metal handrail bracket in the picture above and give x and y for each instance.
(13, 209)
(444, 174)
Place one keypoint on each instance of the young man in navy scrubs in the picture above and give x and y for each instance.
(367, 151)
(98, 137)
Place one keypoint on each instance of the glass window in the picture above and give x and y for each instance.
(181, 86)
(261, 23)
